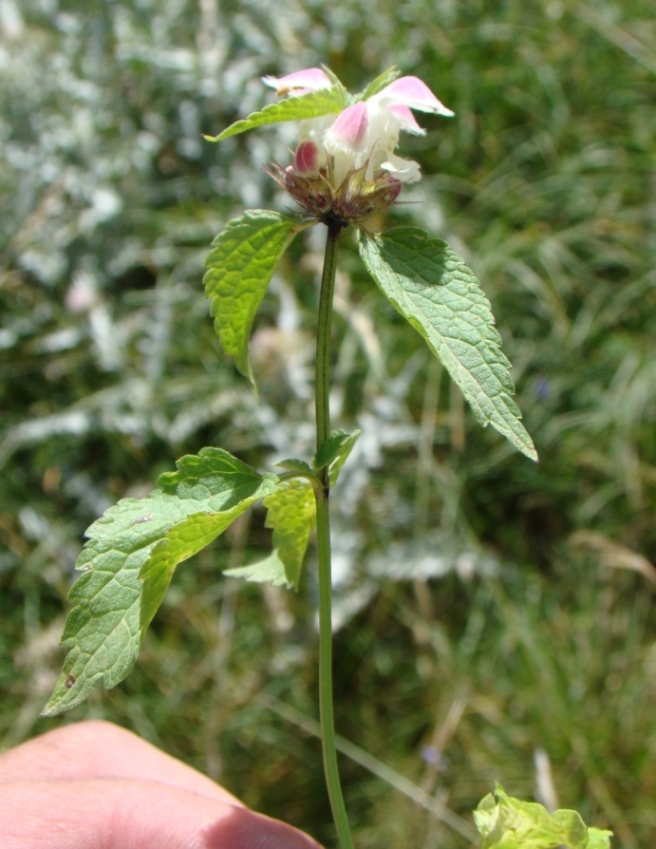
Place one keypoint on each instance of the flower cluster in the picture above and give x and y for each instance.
(345, 167)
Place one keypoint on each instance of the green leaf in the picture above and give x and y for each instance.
(509, 823)
(295, 466)
(271, 570)
(329, 449)
(342, 456)
(430, 285)
(129, 560)
(326, 101)
(379, 83)
(599, 838)
(240, 267)
(292, 515)
(334, 452)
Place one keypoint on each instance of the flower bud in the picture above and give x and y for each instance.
(306, 158)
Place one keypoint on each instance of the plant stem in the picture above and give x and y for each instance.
(322, 389)
(322, 365)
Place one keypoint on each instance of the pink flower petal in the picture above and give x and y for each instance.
(407, 119)
(412, 92)
(349, 129)
(300, 82)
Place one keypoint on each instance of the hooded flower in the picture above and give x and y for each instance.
(353, 153)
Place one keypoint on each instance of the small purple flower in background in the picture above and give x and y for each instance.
(542, 387)
(433, 757)
(345, 166)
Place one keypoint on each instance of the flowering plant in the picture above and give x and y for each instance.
(344, 170)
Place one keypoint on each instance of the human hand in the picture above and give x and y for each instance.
(94, 785)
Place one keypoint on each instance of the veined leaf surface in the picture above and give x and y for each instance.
(334, 452)
(430, 285)
(292, 513)
(239, 269)
(128, 562)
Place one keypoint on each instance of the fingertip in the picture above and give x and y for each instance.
(244, 829)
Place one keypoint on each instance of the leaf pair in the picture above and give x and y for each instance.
(426, 281)
(134, 548)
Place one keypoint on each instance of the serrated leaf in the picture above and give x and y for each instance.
(430, 285)
(326, 101)
(271, 570)
(379, 83)
(508, 823)
(240, 267)
(291, 515)
(129, 560)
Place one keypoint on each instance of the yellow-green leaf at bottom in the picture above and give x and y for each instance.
(508, 823)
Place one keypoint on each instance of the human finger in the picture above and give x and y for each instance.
(102, 750)
(114, 813)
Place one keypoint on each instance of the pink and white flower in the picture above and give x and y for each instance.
(368, 131)
(346, 165)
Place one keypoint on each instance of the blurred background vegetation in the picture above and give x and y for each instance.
(495, 617)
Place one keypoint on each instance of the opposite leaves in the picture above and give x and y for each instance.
(129, 560)
(430, 285)
(134, 547)
(240, 267)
